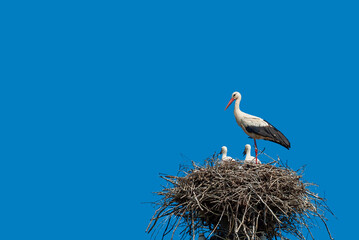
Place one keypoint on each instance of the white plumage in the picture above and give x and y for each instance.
(256, 127)
(225, 158)
(249, 158)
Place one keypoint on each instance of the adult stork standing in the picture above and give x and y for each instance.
(256, 127)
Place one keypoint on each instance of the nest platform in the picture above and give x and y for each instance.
(238, 201)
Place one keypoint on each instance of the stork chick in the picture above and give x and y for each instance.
(249, 158)
(225, 158)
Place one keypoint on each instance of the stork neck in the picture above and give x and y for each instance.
(237, 111)
(224, 155)
(248, 153)
(236, 105)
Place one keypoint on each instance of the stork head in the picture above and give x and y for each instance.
(235, 96)
(247, 148)
(223, 150)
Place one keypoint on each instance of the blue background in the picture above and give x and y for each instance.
(99, 97)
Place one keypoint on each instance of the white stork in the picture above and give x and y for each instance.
(225, 158)
(249, 158)
(256, 127)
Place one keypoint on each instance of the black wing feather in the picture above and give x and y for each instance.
(270, 133)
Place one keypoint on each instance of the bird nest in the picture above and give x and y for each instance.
(236, 201)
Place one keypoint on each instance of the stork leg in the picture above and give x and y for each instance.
(256, 150)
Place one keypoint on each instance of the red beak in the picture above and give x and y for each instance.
(230, 101)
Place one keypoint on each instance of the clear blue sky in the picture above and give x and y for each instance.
(99, 97)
